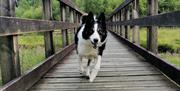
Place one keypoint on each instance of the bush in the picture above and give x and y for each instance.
(163, 48)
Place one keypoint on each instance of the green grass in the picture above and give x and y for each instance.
(32, 48)
(172, 58)
(169, 39)
(166, 36)
(30, 57)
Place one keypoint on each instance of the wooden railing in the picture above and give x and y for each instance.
(11, 27)
(126, 16)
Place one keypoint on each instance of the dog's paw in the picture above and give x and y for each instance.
(93, 75)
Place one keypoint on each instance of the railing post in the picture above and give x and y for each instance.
(48, 36)
(120, 16)
(64, 32)
(119, 19)
(113, 19)
(9, 55)
(152, 30)
(122, 19)
(116, 25)
(127, 17)
(72, 21)
(135, 14)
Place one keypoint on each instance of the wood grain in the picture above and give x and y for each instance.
(132, 73)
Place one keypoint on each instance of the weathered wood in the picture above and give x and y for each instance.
(152, 30)
(165, 19)
(124, 4)
(27, 80)
(135, 31)
(14, 26)
(63, 31)
(72, 21)
(116, 74)
(127, 28)
(9, 55)
(168, 69)
(123, 19)
(48, 36)
(70, 4)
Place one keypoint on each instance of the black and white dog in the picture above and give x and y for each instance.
(90, 41)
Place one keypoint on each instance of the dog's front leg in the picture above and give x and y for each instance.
(96, 69)
(81, 68)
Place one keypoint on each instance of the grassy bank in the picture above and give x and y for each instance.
(32, 48)
(168, 43)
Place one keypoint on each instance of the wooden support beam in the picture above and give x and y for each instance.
(123, 19)
(48, 36)
(135, 31)
(72, 21)
(152, 30)
(127, 17)
(9, 55)
(64, 31)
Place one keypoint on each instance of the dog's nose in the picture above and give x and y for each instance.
(95, 40)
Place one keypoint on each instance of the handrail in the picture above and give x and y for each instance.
(71, 5)
(121, 6)
(166, 19)
(16, 26)
(119, 24)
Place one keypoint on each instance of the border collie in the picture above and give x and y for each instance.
(90, 41)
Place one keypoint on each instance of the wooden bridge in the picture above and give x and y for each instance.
(125, 65)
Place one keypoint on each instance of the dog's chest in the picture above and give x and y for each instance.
(86, 50)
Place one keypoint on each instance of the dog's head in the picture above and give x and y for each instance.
(95, 28)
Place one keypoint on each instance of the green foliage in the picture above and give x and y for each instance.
(33, 8)
(95, 6)
(29, 9)
(55, 9)
(172, 58)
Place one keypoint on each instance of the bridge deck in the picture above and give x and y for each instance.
(122, 70)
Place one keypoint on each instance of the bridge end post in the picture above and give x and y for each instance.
(9, 55)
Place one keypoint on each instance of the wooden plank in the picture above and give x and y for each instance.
(168, 69)
(127, 84)
(110, 89)
(9, 55)
(14, 26)
(48, 36)
(27, 80)
(104, 79)
(104, 74)
(165, 19)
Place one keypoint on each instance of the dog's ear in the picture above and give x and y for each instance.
(83, 19)
(102, 19)
(90, 18)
